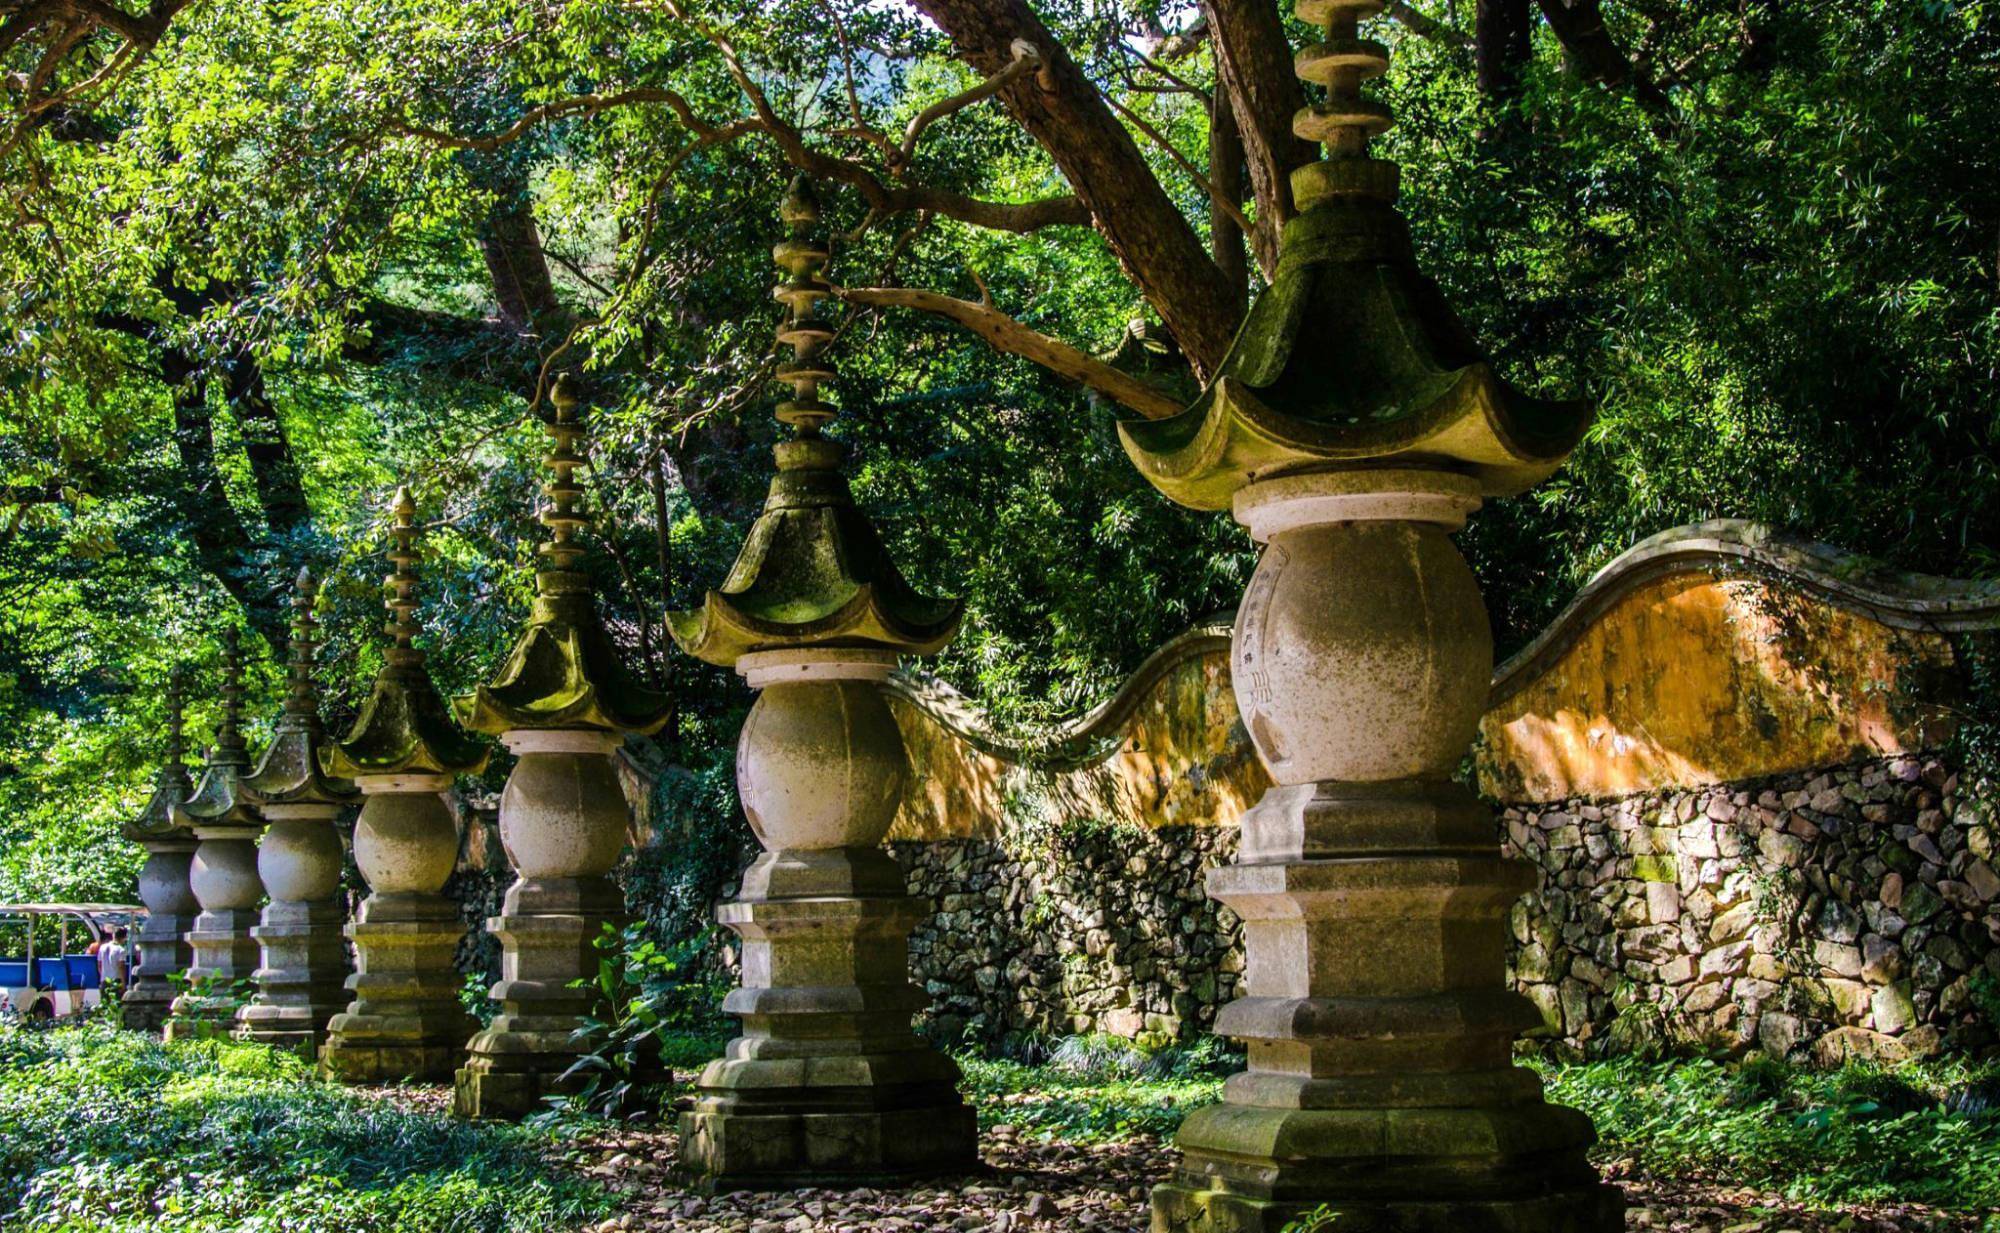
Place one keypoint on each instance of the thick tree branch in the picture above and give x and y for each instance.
(1253, 63)
(1003, 333)
(1019, 217)
(1596, 55)
(1062, 109)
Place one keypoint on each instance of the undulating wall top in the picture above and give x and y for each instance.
(1707, 654)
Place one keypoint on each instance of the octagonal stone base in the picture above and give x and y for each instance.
(742, 1149)
(302, 983)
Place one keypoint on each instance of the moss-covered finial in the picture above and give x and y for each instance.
(1352, 360)
(218, 799)
(402, 583)
(1345, 122)
(290, 772)
(803, 257)
(564, 671)
(813, 571)
(404, 727)
(176, 763)
(171, 785)
(561, 553)
(230, 749)
(301, 693)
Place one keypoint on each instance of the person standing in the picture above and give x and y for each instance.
(112, 962)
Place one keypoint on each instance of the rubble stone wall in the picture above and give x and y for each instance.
(1839, 912)
(1844, 911)
(1074, 930)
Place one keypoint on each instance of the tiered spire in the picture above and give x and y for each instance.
(564, 671)
(289, 773)
(813, 571)
(171, 785)
(217, 799)
(404, 727)
(1352, 357)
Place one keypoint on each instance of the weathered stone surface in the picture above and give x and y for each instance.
(828, 1084)
(405, 1020)
(563, 817)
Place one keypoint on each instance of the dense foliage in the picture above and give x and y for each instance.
(111, 1132)
(305, 250)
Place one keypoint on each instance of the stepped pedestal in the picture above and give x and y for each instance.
(563, 819)
(405, 1020)
(828, 1084)
(223, 877)
(302, 977)
(1374, 900)
(161, 949)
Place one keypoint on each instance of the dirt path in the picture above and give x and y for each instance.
(1036, 1187)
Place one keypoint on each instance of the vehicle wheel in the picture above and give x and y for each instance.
(42, 1011)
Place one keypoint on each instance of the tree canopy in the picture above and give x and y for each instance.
(266, 259)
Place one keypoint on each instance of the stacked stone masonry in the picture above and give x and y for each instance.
(1839, 912)
(1089, 929)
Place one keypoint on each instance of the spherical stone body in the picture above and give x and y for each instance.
(223, 874)
(405, 843)
(1361, 653)
(563, 815)
(299, 860)
(163, 883)
(821, 765)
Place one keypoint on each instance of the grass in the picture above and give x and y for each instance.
(111, 1132)
(1919, 1134)
(1091, 1089)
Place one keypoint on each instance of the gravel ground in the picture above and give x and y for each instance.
(1036, 1187)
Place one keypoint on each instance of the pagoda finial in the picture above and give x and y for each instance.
(301, 694)
(402, 583)
(1346, 122)
(814, 571)
(403, 727)
(802, 257)
(562, 516)
(175, 765)
(230, 749)
(564, 672)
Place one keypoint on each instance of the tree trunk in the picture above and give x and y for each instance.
(1225, 177)
(512, 246)
(1253, 63)
(1594, 54)
(216, 532)
(272, 466)
(1501, 46)
(1154, 243)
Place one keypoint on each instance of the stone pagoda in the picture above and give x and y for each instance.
(161, 948)
(300, 983)
(828, 1083)
(563, 703)
(223, 872)
(1352, 428)
(405, 1021)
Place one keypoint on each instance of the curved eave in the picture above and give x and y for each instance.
(289, 774)
(218, 802)
(1231, 437)
(404, 728)
(518, 701)
(157, 823)
(721, 631)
